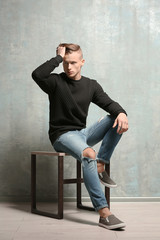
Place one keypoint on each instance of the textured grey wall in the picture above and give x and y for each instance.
(121, 45)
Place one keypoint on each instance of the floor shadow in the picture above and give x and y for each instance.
(82, 221)
(23, 207)
(26, 207)
(72, 218)
(118, 229)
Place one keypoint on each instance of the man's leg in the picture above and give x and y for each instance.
(109, 142)
(89, 153)
(107, 219)
(74, 143)
(102, 131)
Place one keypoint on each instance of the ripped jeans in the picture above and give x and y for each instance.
(75, 142)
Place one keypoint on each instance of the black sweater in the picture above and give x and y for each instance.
(70, 99)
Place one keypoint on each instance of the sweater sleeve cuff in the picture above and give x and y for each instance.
(122, 111)
(55, 61)
(59, 58)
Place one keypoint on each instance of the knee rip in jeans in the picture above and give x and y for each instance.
(90, 153)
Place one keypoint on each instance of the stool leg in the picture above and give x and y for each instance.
(58, 215)
(33, 182)
(79, 191)
(60, 187)
(107, 190)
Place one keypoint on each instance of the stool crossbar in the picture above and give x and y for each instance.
(78, 180)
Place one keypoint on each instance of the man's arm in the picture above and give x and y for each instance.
(42, 75)
(101, 99)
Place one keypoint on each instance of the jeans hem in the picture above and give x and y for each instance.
(102, 160)
(103, 206)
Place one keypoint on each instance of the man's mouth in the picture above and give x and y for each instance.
(70, 73)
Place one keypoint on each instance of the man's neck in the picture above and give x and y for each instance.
(76, 78)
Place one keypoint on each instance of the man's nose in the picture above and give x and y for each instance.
(69, 66)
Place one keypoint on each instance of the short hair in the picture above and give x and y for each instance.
(71, 47)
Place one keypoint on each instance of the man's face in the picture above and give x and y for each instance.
(72, 64)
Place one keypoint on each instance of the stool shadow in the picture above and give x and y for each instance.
(70, 217)
(25, 207)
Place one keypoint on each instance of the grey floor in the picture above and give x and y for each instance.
(17, 223)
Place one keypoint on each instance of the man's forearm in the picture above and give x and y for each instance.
(44, 70)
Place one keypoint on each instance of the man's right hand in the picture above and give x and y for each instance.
(61, 51)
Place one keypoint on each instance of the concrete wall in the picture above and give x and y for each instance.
(121, 45)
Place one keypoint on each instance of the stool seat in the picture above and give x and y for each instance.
(61, 181)
(50, 153)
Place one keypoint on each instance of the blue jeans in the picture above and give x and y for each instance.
(75, 142)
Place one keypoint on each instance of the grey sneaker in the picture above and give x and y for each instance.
(106, 180)
(111, 222)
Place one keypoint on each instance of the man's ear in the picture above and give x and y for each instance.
(83, 61)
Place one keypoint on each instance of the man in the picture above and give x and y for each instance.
(70, 95)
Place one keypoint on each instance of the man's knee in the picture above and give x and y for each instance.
(89, 153)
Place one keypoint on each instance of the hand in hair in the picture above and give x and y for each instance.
(61, 51)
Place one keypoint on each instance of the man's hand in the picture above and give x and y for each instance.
(61, 51)
(122, 122)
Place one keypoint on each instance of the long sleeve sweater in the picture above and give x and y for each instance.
(70, 99)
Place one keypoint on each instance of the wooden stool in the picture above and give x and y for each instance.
(61, 181)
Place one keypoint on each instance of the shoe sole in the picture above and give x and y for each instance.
(120, 225)
(108, 185)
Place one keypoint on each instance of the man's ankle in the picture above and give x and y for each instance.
(100, 167)
(104, 212)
